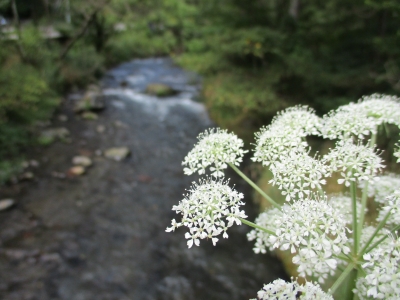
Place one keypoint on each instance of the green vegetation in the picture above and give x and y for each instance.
(256, 56)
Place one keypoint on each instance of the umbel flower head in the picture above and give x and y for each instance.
(282, 290)
(215, 149)
(362, 118)
(382, 268)
(285, 134)
(208, 210)
(315, 232)
(281, 147)
(384, 187)
(355, 162)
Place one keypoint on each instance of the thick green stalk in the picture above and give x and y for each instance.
(251, 224)
(378, 228)
(341, 278)
(364, 197)
(269, 199)
(353, 193)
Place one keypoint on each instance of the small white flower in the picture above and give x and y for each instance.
(215, 149)
(282, 290)
(204, 209)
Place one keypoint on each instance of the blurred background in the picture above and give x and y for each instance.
(64, 61)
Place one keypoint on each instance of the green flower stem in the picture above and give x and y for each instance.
(353, 193)
(364, 198)
(341, 278)
(382, 239)
(378, 228)
(251, 224)
(270, 200)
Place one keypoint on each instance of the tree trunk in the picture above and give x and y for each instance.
(17, 26)
(294, 8)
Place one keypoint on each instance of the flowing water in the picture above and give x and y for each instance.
(102, 235)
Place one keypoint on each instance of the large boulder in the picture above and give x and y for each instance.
(91, 101)
(160, 90)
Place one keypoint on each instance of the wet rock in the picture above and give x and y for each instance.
(144, 178)
(100, 128)
(160, 90)
(34, 163)
(51, 135)
(62, 118)
(6, 204)
(76, 171)
(83, 161)
(175, 288)
(50, 257)
(58, 175)
(25, 164)
(120, 124)
(89, 115)
(26, 176)
(91, 101)
(19, 254)
(117, 153)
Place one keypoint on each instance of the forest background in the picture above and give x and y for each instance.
(256, 56)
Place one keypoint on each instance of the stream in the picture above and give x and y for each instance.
(101, 235)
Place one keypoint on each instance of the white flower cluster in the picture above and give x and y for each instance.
(343, 204)
(282, 290)
(362, 118)
(382, 268)
(315, 232)
(215, 149)
(281, 147)
(266, 219)
(393, 205)
(354, 162)
(382, 188)
(208, 210)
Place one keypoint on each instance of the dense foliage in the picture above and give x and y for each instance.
(257, 56)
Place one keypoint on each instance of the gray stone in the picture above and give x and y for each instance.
(26, 176)
(76, 171)
(6, 204)
(82, 161)
(117, 153)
